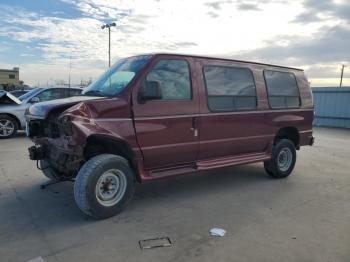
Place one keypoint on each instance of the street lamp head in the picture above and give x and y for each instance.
(108, 25)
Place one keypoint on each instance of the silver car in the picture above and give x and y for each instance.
(12, 109)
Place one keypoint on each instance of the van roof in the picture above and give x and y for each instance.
(227, 59)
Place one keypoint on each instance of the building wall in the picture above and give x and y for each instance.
(6, 80)
(332, 106)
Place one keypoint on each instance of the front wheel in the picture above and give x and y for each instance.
(104, 185)
(283, 159)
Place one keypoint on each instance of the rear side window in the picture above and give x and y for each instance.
(173, 76)
(282, 89)
(229, 88)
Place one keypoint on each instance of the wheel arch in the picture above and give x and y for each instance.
(100, 144)
(291, 133)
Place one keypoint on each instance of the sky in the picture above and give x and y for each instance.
(43, 37)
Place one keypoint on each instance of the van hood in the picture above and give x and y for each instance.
(41, 110)
(8, 99)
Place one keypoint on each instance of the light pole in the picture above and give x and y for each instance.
(109, 40)
(341, 75)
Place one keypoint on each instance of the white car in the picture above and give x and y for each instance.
(12, 109)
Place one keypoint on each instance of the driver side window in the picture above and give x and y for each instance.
(173, 76)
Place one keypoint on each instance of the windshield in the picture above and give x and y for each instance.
(117, 77)
(29, 94)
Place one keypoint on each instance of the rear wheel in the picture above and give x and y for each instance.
(104, 185)
(8, 126)
(283, 159)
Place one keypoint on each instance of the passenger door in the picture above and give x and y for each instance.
(231, 123)
(165, 127)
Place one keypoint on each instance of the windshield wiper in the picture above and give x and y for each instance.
(93, 93)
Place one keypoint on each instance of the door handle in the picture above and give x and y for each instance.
(194, 127)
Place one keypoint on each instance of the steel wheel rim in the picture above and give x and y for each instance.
(284, 159)
(6, 127)
(111, 187)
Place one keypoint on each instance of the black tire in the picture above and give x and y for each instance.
(283, 149)
(48, 171)
(13, 122)
(86, 191)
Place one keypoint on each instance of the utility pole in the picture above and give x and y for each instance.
(341, 75)
(109, 40)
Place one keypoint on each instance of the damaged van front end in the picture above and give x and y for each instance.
(59, 135)
(68, 132)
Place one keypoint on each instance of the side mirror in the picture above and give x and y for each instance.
(34, 100)
(150, 91)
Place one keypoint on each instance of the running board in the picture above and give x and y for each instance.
(172, 171)
(210, 164)
(232, 160)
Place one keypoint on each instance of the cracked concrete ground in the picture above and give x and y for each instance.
(305, 217)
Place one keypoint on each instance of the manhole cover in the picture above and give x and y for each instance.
(155, 242)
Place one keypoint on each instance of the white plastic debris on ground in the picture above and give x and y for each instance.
(217, 232)
(37, 259)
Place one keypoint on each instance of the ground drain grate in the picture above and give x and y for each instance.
(155, 242)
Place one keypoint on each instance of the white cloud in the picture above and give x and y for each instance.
(144, 26)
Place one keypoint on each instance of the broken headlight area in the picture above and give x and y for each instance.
(50, 129)
(42, 128)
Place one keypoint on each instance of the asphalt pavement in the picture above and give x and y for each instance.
(305, 217)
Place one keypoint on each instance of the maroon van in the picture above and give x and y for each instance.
(154, 116)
